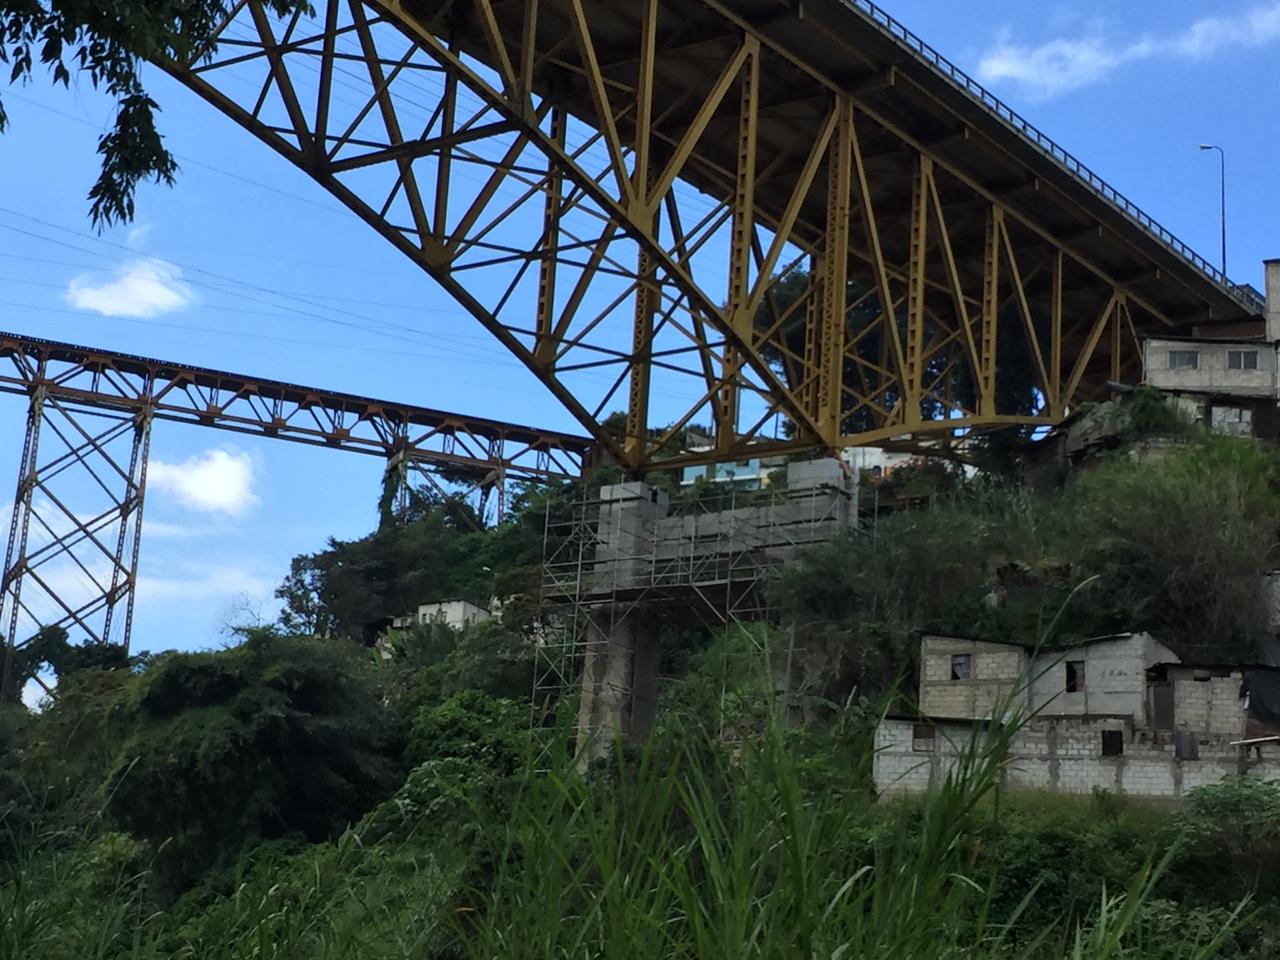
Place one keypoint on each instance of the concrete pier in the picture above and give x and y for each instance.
(647, 555)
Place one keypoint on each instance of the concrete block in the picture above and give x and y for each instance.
(813, 473)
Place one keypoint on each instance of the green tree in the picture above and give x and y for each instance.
(857, 603)
(278, 737)
(1179, 546)
(108, 43)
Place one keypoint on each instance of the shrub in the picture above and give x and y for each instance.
(276, 737)
(472, 726)
(1233, 836)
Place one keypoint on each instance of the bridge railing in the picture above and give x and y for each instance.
(1244, 295)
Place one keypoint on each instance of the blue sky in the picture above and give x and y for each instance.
(248, 266)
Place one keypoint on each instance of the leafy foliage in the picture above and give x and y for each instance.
(108, 43)
(434, 555)
(860, 600)
(1149, 413)
(1179, 546)
(277, 737)
(747, 827)
(1176, 545)
(1233, 835)
(475, 727)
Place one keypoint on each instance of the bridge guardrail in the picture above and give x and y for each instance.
(1242, 294)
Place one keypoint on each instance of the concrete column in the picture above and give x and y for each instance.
(1272, 268)
(620, 668)
(619, 683)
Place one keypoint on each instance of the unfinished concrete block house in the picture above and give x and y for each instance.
(1118, 713)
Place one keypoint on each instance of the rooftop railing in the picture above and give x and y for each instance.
(1244, 294)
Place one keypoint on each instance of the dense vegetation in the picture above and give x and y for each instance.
(107, 43)
(1177, 546)
(304, 795)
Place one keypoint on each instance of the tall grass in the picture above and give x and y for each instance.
(691, 848)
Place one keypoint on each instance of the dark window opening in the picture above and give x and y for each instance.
(923, 737)
(1075, 676)
(1112, 743)
(1186, 745)
(1184, 359)
(961, 666)
(1162, 704)
(1242, 359)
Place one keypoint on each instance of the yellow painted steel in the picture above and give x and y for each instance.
(623, 195)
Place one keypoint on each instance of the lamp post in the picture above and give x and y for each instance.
(1222, 183)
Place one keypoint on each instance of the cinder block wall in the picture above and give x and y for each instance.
(1065, 755)
(1212, 373)
(1114, 681)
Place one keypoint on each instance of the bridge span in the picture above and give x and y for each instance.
(790, 220)
(72, 555)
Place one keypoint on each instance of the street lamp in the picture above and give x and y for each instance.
(1222, 181)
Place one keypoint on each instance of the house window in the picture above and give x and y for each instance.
(1075, 676)
(923, 737)
(961, 666)
(1186, 745)
(1242, 359)
(1184, 359)
(1112, 743)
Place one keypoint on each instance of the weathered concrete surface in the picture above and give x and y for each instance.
(1096, 718)
(640, 547)
(1065, 755)
(1272, 270)
(1212, 373)
(619, 685)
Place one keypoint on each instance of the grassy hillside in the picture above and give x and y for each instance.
(301, 796)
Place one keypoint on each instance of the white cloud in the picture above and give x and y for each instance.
(213, 481)
(1064, 64)
(213, 581)
(145, 287)
(159, 530)
(136, 235)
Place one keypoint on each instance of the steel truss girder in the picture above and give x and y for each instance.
(609, 245)
(89, 378)
(72, 558)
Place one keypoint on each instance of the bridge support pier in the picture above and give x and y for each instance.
(638, 559)
(72, 555)
(619, 693)
(620, 660)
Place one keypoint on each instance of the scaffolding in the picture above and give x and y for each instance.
(629, 551)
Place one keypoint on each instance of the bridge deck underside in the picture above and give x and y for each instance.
(772, 220)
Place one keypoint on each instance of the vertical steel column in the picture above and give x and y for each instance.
(124, 578)
(913, 372)
(636, 441)
(990, 314)
(808, 382)
(544, 344)
(11, 588)
(1056, 406)
(835, 290)
(740, 242)
(1117, 341)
